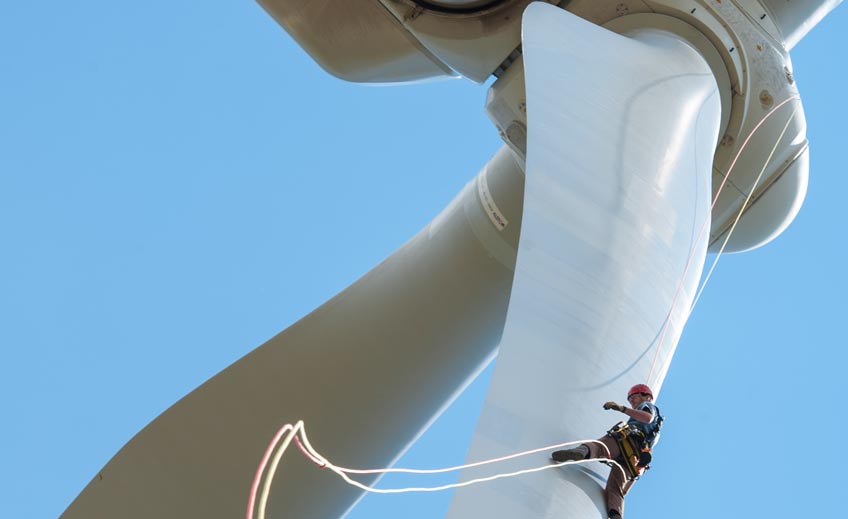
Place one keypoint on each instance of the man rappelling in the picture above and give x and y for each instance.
(628, 444)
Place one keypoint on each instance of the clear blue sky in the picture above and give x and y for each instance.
(179, 182)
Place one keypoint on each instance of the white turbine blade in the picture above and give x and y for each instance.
(621, 135)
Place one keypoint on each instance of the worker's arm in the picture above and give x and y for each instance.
(642, 416)
(636, 414)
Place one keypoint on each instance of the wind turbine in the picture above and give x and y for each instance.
(607, 179)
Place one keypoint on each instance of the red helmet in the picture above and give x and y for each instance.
(640, 388)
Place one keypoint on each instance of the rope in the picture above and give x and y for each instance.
(742, 209)
(297, 432)
(707, 221)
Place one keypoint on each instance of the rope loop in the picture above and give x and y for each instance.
(297, 433)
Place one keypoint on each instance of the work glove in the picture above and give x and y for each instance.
(614, 406)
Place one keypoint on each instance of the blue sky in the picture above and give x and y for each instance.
(179, 182)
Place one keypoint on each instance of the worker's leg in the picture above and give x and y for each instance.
(609, 449)
(604, 447)
(590, 450)
(617, 487)
(617, 484)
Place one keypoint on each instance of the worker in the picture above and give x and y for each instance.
(641, 431)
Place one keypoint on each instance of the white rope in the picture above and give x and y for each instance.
(297, 432)
(266, 488)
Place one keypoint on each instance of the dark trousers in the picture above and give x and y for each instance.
(618, 483)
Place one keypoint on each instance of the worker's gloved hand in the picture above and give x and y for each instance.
(614, 406)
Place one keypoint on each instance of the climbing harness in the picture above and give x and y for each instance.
(635, 443)
(634, 448)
